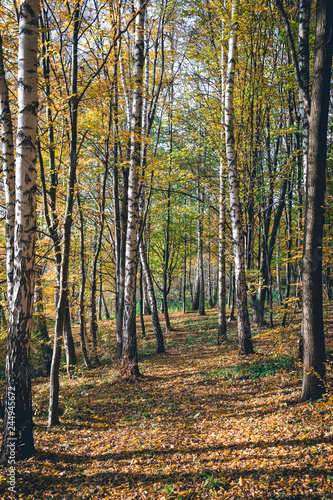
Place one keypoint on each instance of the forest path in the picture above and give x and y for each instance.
(201, 423)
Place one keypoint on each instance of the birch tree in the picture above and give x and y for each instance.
(8, 168)
(129, 348)
(18, 423)
(244, 331)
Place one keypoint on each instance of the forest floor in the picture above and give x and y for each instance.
(201, 423)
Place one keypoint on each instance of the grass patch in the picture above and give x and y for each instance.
(267, 366)
(254, 369)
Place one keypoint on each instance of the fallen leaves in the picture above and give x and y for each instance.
(201, 424)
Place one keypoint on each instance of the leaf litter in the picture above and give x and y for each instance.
(200, 423)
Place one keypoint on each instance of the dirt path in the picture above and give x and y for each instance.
(200, 423)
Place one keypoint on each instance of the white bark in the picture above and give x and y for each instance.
(304, 63)
(21, 306)
(129, 354)
(244, 332)
(8, 168)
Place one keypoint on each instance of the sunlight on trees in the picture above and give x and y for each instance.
(161, 158)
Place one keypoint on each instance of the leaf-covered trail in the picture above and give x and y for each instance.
(200, 423)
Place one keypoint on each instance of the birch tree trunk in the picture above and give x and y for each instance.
(231, 296)
(129, 348)
(244, 331)
(120, 217)
(8, 169)
(69, 341)
(222, 323)
(304, 66)
(18, 425)
(313, 328)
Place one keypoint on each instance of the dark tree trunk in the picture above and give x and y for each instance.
(82, 288)
(41, 325)
(200, 255)
(231, 297)
(159, 340)
(328, 283)
(288, 263)
(69, 341)
(64, 270)
(313, 328)
(100, 294)
(120, 269)
(165, 281)
(196, 294)
(93, 302)
(107, 314)
(142, 321)
(185, 264)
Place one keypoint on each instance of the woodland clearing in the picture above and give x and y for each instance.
(201, 422)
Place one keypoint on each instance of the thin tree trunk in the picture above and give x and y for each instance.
(63, 291)
(159, 340)
(41, 325)
(166, 256)
(304, 69)
(129, 348)
(107, 314)
(69, 341)
(288, 264)
(278, 277)
(232, 286)
(120, 219)
(93, 310)
(100, 293)
(222, 318)
(82, 288)
(143, 328)
(244, 331)
(200, 253)
(328, 283)
(196, 292)
(185, 263)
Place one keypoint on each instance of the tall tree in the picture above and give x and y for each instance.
(317, 114)
(244, 331)
(313, 328)
(64, 268)
(8, 168)
(129, 348)
(222, 323)
(18, 425)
